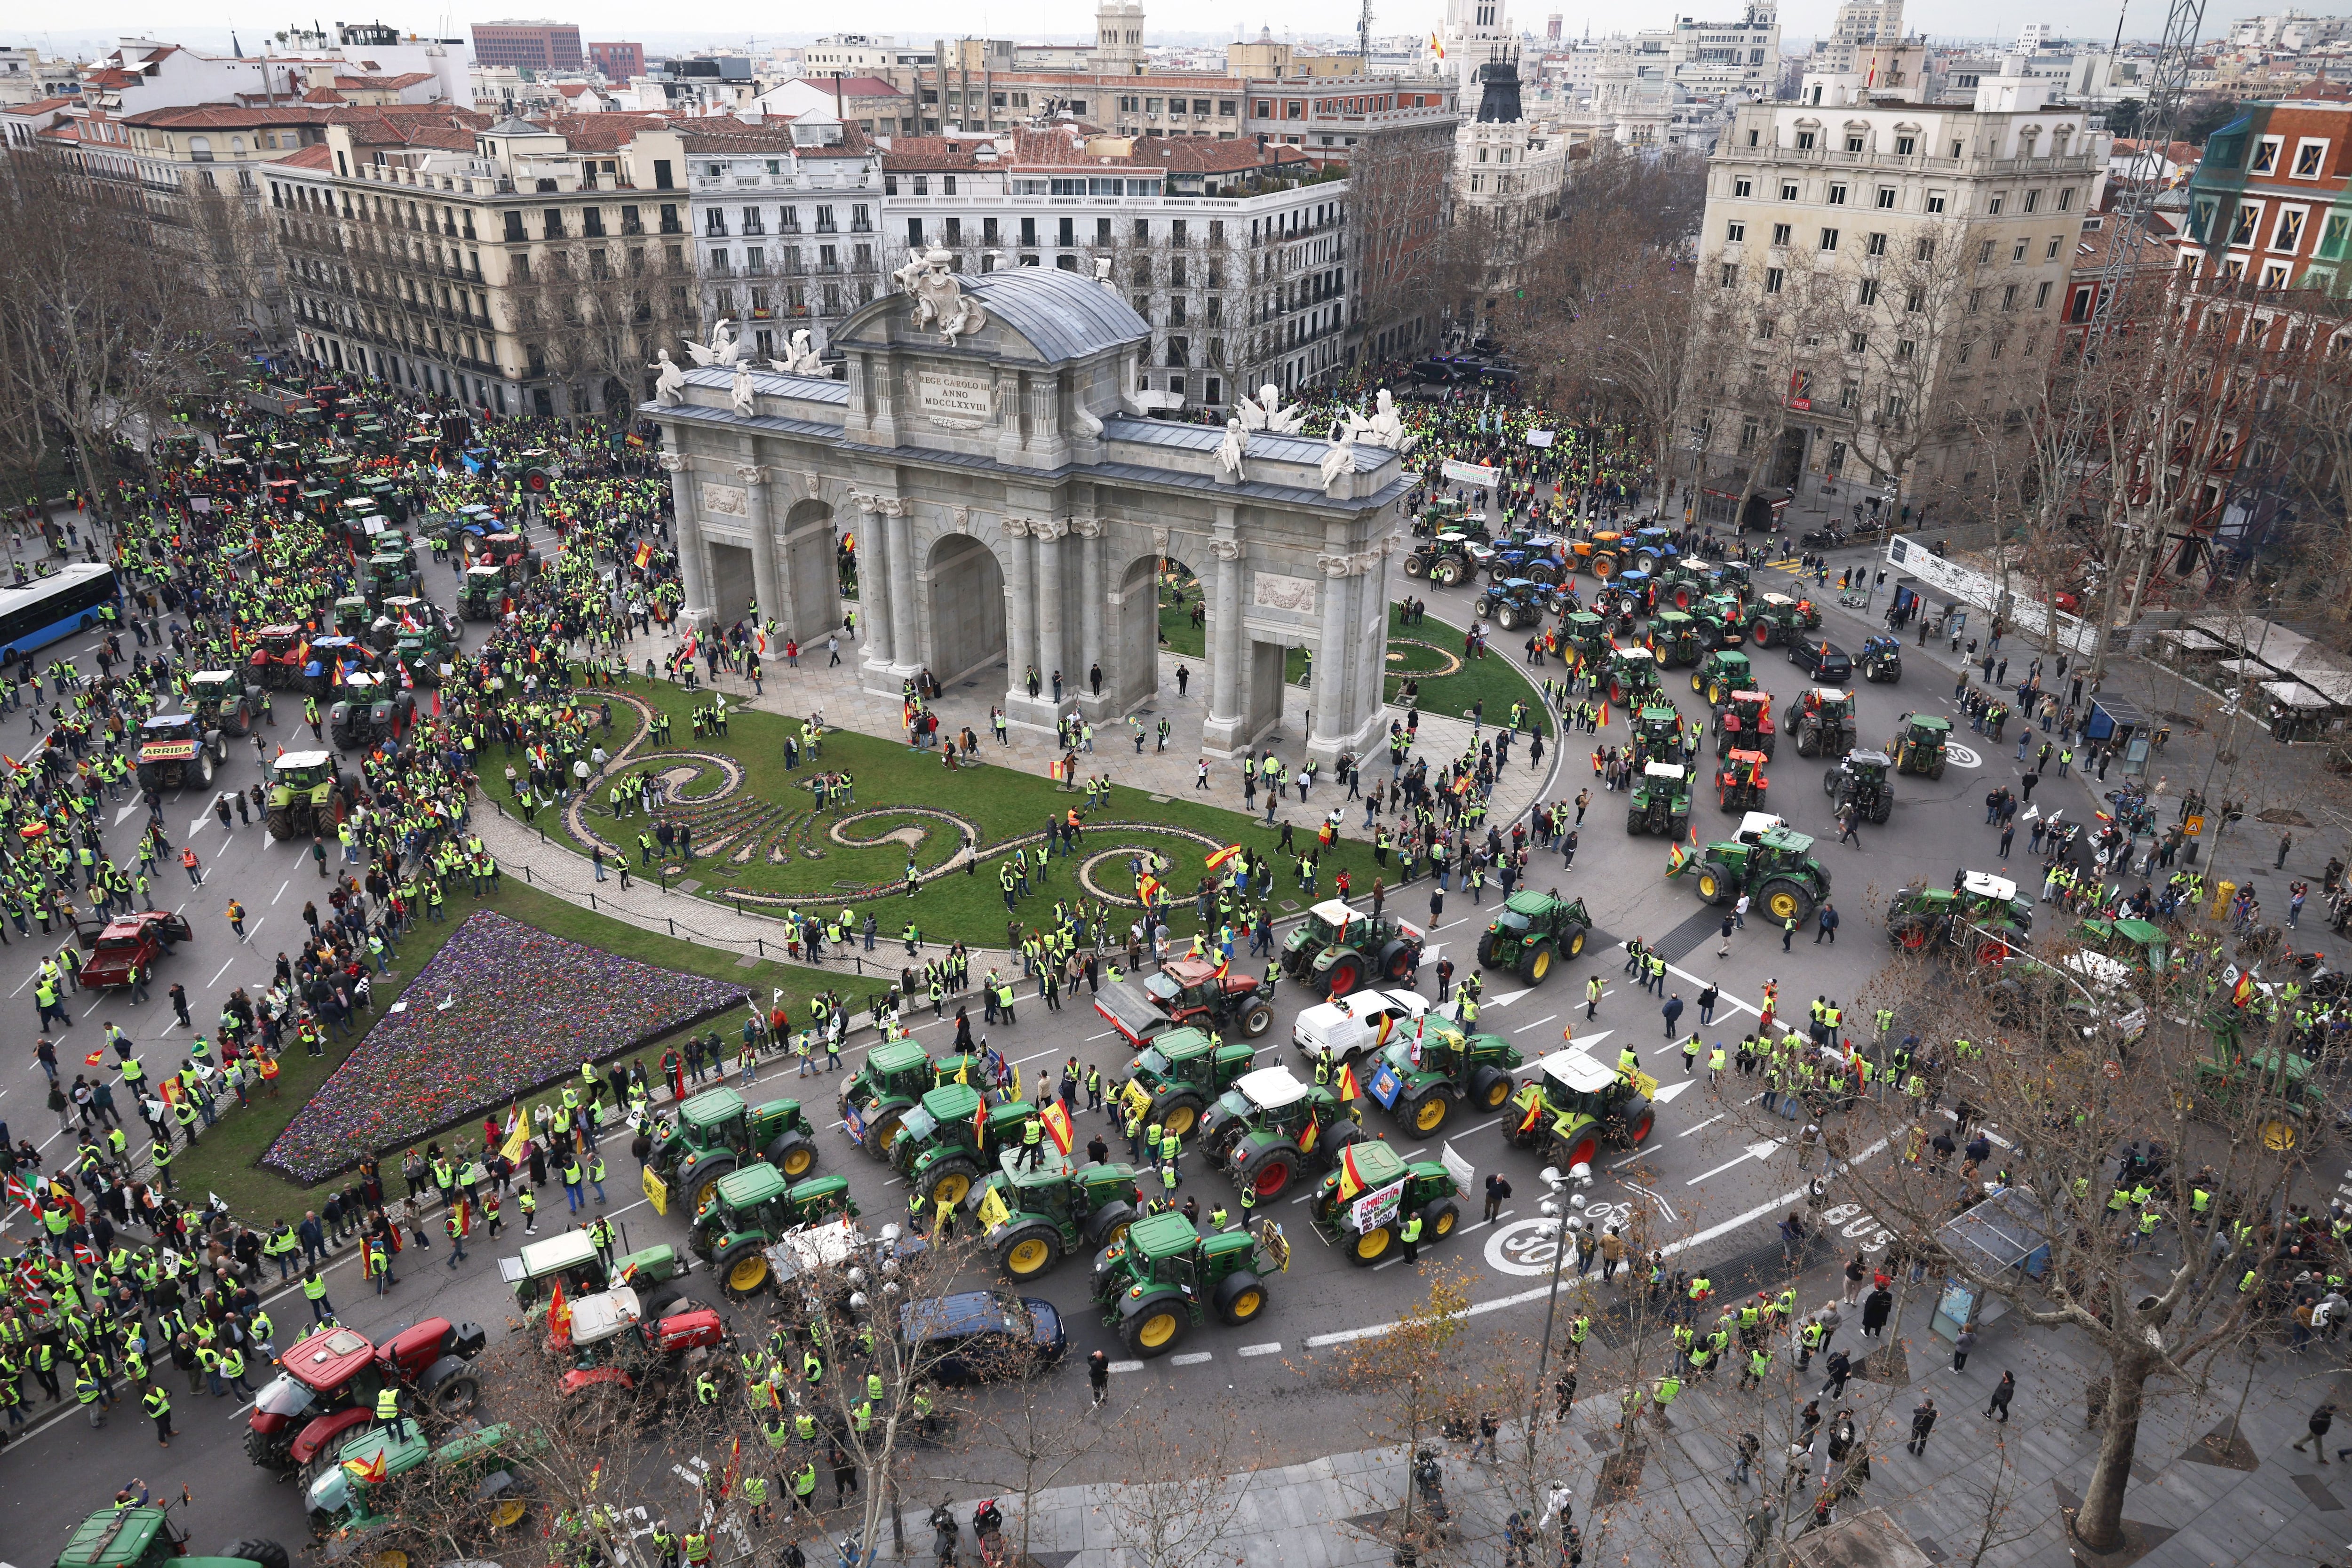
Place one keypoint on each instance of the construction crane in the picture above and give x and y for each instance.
(1364, 38)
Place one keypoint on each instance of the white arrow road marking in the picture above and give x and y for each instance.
(1757, 1150)
(1703, 1126)
(1667, 1094)
(124, 814)
(1506, 998)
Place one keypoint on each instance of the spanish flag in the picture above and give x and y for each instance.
(1675, 858)
(559, 1316)
(1220, 857)
(1347, 1090)
(1307, 1136)
(1057, 1125)
(1437, 46)
(367, 1471)
(2243, 989)
(1224, 965)
(1352, 1184)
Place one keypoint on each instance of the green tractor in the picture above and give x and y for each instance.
(1776, 617)
(1531, 930)
(748, 1209)
(1444, 560)
(303, 787)
(143, 1536)
(1335, 950)
(351, 615)
(1173, 1079)
(875, 1102)
(393, 574)
(1683, 583)
(714, 1131)
(1587, 633)
(1921, 747)
(219, 701)
(945, 1143)
(1164, 1278)
(482, 593)
(1674, 638)
(1984, 917)
(1272, 1125)
(2289, 1099)
(1660, 802)
(1427, 1070)
(347, 1503)
(1631, 673)
(1720, 674)
(1362, 1206)
(1822, 719)
(1776, 868)
(1573, 1108)
(1722, 620)
(1660, 734)
(2139, 945)
(1861, 782)
(1744, 724)
(1031, 1219)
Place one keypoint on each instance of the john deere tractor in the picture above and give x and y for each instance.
(1426, 1070)
(1777, 870)
(1362, 1207)
(372, 711)
(1031, 1219)
(1822, 719)
(1272, 1127)
(1632, 674)
(1722, 620)
(1660, 803)
(1164, 1278)
(1720, 674)
(302, 794)
(895, 1075)
(951, 1138)
(748, 1209)
(1587, 633)
(1335, 949)
(1173, 1079)
(1921, 747)
(393, 574)
(1444, 560)
(714, 1132)
(1741, 784)
(1776, 617)
(218, 700)
(1660, 734)
(1673, 638)
(1982, 918)
(1744, 722)
(482, 593)
(1573, 1108)
(1860, 782)
(1682, 584)
(1532, 931)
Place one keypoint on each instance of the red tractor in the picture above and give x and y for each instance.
(1745, 723)
(327, 1382)
(276, 662)
(1188, 993)
(1741, 785)
(620, 1363)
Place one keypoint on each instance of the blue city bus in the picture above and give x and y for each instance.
(48, 608)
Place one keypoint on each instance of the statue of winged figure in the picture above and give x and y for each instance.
(1267, 413)
(724, 349)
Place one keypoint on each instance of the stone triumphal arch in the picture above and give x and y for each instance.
(1009, 507)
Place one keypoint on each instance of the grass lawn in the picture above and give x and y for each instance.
(225, 1161)
(763, 831)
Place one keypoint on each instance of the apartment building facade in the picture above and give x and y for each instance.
(1874, 277)
(529, 46)
(2270, 203)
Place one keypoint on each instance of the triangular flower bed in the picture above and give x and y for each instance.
(528, 1009)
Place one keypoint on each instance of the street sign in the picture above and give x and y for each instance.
(2115, 1070)
(2193, 827)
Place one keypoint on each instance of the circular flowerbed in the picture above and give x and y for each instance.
(1107, 873)
(1416, 660)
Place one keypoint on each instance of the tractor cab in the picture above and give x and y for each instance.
(1660, 800)
(1631, 672)
(1722, 619)
(1860, 782)
(1921, 749)
(1673, 638)
(1756, 825)
(1586, 633)
(1574, 1107)
(1660, 734)
(1721, 674)
(2138, 944)
(1741, 783)
(351, 615)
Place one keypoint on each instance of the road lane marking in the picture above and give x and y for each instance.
(1126, 1366)
(1539, 1024)
(1272, 1347)
(1759, 1150)
(1708, 1122)
(1195, 1359)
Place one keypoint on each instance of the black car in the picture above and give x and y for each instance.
(1822, 659)
(982, 1336)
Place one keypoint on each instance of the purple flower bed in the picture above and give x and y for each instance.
(529, 1008)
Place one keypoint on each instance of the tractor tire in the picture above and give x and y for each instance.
(1715, 885)
(1271, 1172)
(1508, 617)
(742, 1272)
(1760, 633)
(2005, 1004)
(1486, 951)
(882, 1132)
(1490, 1089)
(1345, 975)
(1828, 787)
(1441, 1218)
(1030, 1251)
(202, 767)
(1574, 944)
(1809, 743)
(1239, 1298)
(1616, 690)
(1179, 1114)
(1695, 685)
(262, 1553)
(1428, 1114)
(1936, 769)
(1910, 934)
(1784, 900)
(793, 1154)
(949, 1180)
(281, 826)
(1255, 1020)
(1881, 808)
(1769, 743)
(1446, 573)
(454, 1398)
(1416, 566)
(1535, 963)
(1634, 821)
(1372, 1245)
(704, 1183)
(267, 1452)
(1398, 959)
(1157, 1327)
(1108, 1224)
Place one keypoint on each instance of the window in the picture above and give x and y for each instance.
(1906, 348)
(662, 181)
(1065, 232)
(2008, 296)
(1857, 342)
(1772, 279)
(2057, 243)
(1748, 428)
(1143, 231)
(2274, 275)
(2288, 235)
(2264, 160)
(1904, 146)
(1743, 187)
(2244, 222)
(1787, 190)
(1935, 201)
(2033, 201)
(1984, 254)
(2042, 295)
(1994, 205)
(2079, 307)
(1028, 231)
(591, 223)
(553, 223)
(1867, 293)
(1734, 232)
(1752, 138)
(914, 234)
(2066, 199)
(2017, 252)
(1764, 330)
(1837, 193)
(1780, 234)
(2310, 158)
(515, 235)
(1925, 250)
(714, 221)
(1829, 239)
(1728, 275)
(2332, 237)
(1885, 197)
(1804, 141)
(1976, 300)
(1853, 142)
(1877, 246)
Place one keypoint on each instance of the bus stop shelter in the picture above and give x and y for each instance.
(2004, 1234)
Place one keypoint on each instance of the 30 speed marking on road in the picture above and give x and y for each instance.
(1961, 755)
(1527, 1247)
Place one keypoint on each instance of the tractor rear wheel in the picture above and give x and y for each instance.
(1416, 565)
(704, 1183)
(1910, 934)
(1787, 901)
(1156, 1328)
(1345, 973)
(1881, 807)
(1371, 1246)
(1936, 768)
(1270, 1175)
(793, 1154)
(1446, 573)
(1029, 1251)
(1633, 824)
(281, 826)
(1108, 1224)
(1535, 963)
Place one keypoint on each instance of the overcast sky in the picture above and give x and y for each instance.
(732, 21)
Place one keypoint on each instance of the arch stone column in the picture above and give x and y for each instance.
(1091, 591)
(906, 634)
(874, 583)
(1021, 622)
(764, 586)
(1222, 732)
(691, 571)
(1053, 634)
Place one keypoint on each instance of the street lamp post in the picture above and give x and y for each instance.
(1552, 1208)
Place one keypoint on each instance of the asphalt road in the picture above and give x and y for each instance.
(1710, 1182)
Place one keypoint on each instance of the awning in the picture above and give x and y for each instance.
(2004, 1232)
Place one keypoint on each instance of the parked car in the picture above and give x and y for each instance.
(980, 1336)
(140, 938)
(1349, 1025)
(1822, 659)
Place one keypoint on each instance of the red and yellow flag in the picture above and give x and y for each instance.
(559, 1316)
(1057, 1125)
(1347, 1089)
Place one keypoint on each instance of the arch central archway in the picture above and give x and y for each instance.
(812, 563)
(966, 614)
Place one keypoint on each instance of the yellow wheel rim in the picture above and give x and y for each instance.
(1705, 886)
(747, 1272)
(1247, 1305)
(1373, 1243)
(1576, 944)
(885, 1135)
(952, 1189)
(1179, 1120)
(705, 1193)
(508, 1513)
(1783, 906)
(2278, 1136)
(1541, 966)
(1430, 1113)
(1693, 683)
(1446, 1222)
(1496, 1095)
(1156, 1330)
(1029, 1256)
(798, 1159)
